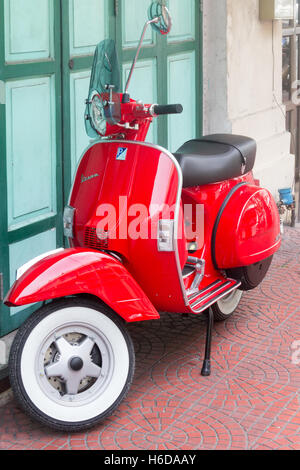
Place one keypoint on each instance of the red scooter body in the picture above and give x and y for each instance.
(247, 231)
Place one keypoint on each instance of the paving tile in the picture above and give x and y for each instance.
(251, 401)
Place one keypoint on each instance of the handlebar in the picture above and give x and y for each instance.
(159, 110)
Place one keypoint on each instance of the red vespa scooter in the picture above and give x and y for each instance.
(149, 232)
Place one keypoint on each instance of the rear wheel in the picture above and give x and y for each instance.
(71, 364)
(225, 307)
(251, 276)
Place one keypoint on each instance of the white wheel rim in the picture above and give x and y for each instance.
(109, 377)
(228, 304)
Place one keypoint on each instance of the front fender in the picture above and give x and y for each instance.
(81, 271)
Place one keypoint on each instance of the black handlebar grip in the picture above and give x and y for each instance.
(167, 109)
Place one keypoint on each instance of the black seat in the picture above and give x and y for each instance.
(215, 158)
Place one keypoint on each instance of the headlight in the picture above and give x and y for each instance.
(69, 213)
(97, 116)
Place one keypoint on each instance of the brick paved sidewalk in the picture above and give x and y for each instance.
(251, 401)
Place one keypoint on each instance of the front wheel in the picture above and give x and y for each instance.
(71, 364)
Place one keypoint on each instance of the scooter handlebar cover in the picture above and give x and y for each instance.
(167, 109)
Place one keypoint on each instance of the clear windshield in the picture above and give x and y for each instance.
(103, 105)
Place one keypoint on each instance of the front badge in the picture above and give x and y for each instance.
(122, 153)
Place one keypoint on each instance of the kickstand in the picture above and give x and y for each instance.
(206, 369)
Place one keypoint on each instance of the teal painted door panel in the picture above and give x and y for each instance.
(22, 252)
(143, 86)
(88, 25)
(31, 153)
(28, 30)
(30, 138)
(134, 16)
(182, 90)
(79, 85)
(85, 24)
(184, 20)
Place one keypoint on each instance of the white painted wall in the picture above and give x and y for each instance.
(5, 345)
(242, 85)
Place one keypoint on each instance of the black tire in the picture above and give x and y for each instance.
(251, 276)
(29, 332)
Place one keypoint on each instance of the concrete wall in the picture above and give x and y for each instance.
(242, 84)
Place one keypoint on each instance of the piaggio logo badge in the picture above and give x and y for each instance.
(122, 153)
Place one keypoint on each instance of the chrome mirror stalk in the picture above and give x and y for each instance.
(155, 20)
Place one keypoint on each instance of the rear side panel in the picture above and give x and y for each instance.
(211, 197)
(248, 230)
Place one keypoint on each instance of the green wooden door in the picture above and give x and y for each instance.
(169, 69)
(85, 24)
(46, 54)
(30, 138)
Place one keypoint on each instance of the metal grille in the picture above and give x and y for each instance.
(92, 241)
